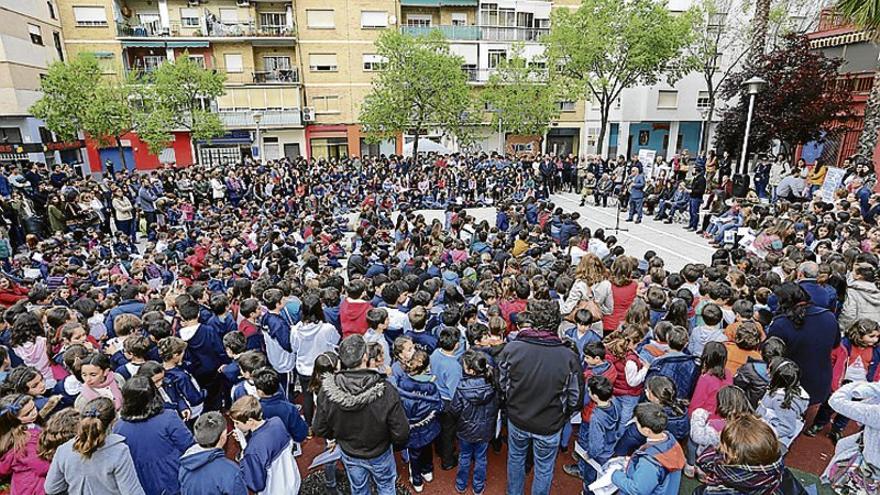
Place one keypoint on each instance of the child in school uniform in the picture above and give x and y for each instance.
(181, 384)
(136, 349)
(785, 402)
(421, 338)
(276, 405)
(754, 376)
(657, 465)
(267, 461)
(709, 331)
(204, 352)
(422, 404)
(475, 406)
(248, 363)
(599, 433)
(249, 326)
(582, 333)
(446, 367)
(204, 468)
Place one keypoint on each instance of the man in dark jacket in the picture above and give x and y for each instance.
(542, 384)
(698, 189)
(361, 410)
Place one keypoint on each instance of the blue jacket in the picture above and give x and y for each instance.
(209, 472)
(637, 187)
(422, 405)
(223, 325)
(331, 315)
(475, 404)
(278, 328)
(680, 367)
(156, 445)
(264, 447)
(129, 306)
(567, 231)
(502, 223)
(655, 468)
(182, 389)
(146, 199)
(602, 434)
(425, 341)
(448, 371)
(823, 296)
(204, 352)
(277, 406)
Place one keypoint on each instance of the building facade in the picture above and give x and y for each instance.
(30, 40)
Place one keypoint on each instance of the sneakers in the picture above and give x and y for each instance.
(428, 477)
(689, 471)
(814, 430)
(417, 488)
(572, 470)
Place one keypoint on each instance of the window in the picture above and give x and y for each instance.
(51, 10)
(149, 18)
(459, 19)
(489, 14)
(667, 99)
(273, 22)
(10, 135)
(374, 62)
(418, 20)
(373, 19)
(56, 37)
(36, 34)
(198, 59)
(152, 62)
(495, 57)
(566, 106)
(272, 63)
(105, 62)
(703, 100)
(234, 62)
(322, 62)
(90, 16)
(229, 16)
(45, 135)
(320, 19)
(189, 17)
(325, 104)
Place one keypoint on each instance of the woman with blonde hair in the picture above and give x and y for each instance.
(96, 461)
(591, 284)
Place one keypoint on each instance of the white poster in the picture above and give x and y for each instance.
(647, 159)
(833, 179)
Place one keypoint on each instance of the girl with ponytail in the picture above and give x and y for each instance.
(475, 404)
(96, 461)
(19, 436)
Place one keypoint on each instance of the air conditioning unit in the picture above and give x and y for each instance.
(308, 114)
(243, 3)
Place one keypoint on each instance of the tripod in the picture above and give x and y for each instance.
(617, 227)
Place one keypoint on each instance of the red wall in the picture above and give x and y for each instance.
(143, 159)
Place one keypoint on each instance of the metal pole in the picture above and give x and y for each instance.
(745, 150)
(260, 144)
(500, 137)
(702, 124)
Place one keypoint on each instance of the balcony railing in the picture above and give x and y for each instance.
(480, 76)
(280, 76)
(206, 29)
(499, 33)
(471, 33)
(237, 119)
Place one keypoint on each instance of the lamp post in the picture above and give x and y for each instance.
(258, 116)
(754, 86)
(704, 116)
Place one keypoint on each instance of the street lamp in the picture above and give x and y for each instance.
(704, 116)
(754, 86)
(258, 116)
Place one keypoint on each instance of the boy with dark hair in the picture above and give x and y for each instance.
(377, 320)
(204, 469)
(657, 304)
(422, 339)
(447, 369)
(353, 310)
(235, 344)
(249, 324)
(204, 353)
(677, 363)
(598, 434)
(221, 319)
(582, 332)
(275, 405)
(710, 331)
(398, 323)
(656, 466)
(136, 349)
(248, 363)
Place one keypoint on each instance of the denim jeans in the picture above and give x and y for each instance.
(694, 222)
(627, 405)
(635, 209)
(544, 447)
(476, 451)
(381, 469)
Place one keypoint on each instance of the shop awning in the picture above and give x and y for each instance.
(187, 44)
(419, 3)
(458, 3)
(143, 44)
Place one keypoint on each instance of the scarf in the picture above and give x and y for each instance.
(109, 389)
(741, 479)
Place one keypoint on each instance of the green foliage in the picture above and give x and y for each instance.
(606, 46)
(173, 99)
(864, 13)
(68, 92)
(421, 87)
(111, 113)
(513, 84)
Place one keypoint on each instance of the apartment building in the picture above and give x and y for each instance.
(251, 42)
(30, 40)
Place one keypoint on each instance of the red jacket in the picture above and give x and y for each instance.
(12, 295)
(353, 317)
(619, 385)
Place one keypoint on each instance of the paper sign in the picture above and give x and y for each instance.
(833, 179)
(646, 157)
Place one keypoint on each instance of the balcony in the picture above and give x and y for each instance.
(238, 119)
(466, 33)
(206, 29)
(481, 76)
(277, 76)
(512, 33)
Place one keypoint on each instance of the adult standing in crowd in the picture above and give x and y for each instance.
(542, 383)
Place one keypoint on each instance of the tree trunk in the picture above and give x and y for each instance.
(416, 146)
(192, 147)
(868, 138)
(704, 135)
(603, 124)
(760, 23)
(121, 154)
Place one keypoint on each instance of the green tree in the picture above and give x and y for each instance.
(76, 98)
(866, 14)
(606, 46)
(421, 87)
(523, 99)
(177, 95)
